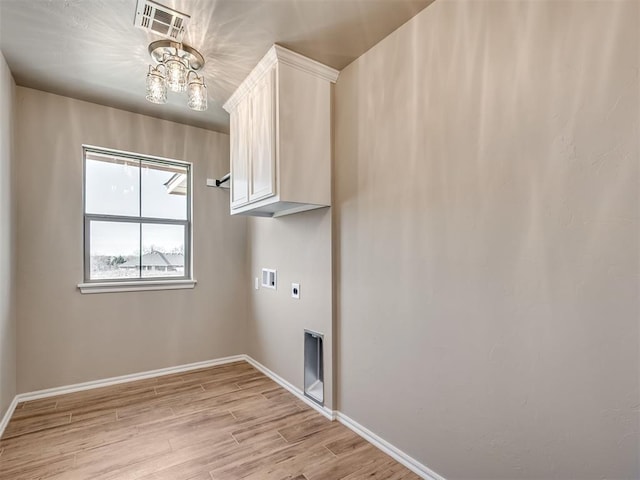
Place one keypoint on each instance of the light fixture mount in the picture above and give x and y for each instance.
(160, 49)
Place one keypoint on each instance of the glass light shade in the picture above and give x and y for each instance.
(197, 92)
(176, 73)
(156, 86)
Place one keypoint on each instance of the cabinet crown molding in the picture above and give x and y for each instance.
(279, 54)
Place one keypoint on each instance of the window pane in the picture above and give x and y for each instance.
(164, 191)
(112, 185)
(162, 250)
(114, 250)
(133, 187)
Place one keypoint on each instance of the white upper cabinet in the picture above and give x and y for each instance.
(262, 163)
(280, 120)
(240, 125)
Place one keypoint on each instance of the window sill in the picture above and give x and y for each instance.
(138, 286)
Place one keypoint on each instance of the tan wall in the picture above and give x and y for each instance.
(7, 240)
(299, 247)
(65, 337)
(486, 209)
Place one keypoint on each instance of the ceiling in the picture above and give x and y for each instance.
(90, 49)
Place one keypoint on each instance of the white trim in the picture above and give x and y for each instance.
(7, 415)
(412, 464)
(78, 387)
(264, 65)
(327, 412)
(137, 286)
(394, 452)
(305, 64)
(277, 54)
(51, 392)
(112, 152)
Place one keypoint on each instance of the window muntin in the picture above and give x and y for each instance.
(137, 217)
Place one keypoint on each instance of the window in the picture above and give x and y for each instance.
(137, 218)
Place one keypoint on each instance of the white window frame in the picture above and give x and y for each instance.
(137, 284)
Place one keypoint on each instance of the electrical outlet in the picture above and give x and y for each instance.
(295, 290)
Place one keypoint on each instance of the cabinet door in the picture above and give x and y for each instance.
(240, 133)
(263, 157)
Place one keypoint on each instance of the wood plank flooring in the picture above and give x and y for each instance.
(228, 422)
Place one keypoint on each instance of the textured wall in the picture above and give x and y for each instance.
(299, 247)
(7, 240)
(486, 203)
(65, 337)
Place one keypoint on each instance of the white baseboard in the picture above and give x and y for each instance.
(395, 453)
(327, 412)
(51, 392)
(8, 414)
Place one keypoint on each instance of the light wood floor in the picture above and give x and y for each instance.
(222, 423)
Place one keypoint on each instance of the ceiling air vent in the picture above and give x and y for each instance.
(161, 20)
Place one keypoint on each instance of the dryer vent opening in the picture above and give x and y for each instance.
(313, 366)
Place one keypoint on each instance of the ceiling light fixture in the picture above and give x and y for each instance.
(176, 69)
